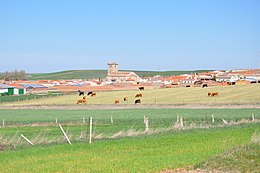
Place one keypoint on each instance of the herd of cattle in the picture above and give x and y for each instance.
(91, 94)
(125, 99)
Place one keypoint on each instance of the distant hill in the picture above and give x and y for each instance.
(90, 74)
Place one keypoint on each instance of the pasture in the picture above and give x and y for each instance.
(227, 95)
(17, 98)
(121, 146)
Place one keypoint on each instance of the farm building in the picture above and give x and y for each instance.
(18, 90)
(115, 76)
(35, 88)
(10, 90)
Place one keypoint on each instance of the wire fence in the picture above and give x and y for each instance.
(15, 135)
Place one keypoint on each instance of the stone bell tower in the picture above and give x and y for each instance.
(112, 68)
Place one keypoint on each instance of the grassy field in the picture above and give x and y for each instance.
(16, 98)
(244, 94)
(237, 159)
(35, 123)
(90, 74)
(122, 146)
(140, 154)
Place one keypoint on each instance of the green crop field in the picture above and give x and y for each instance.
(17, 98)
(140, 154)
(228, 95)
(90, 74)
(124, 145)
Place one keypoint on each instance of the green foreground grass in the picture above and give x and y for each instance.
(228, 95)
(169, 149)
(33, 123)
(140, 154)
(237, 159)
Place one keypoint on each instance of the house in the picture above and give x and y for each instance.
(115, 76)
(11, 90)
(18, 90)
(35, 88)
(6, 90)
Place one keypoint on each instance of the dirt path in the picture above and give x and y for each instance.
(148, 106)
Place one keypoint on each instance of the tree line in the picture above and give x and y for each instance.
(14, 75)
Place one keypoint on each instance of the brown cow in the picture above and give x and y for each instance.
(117, 101)
(125, 98)
(83, 100)
(138, 101)
(93, 94)
(209, 94)
(214, 94)
(138, 95)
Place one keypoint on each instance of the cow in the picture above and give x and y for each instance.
(214, 94)
(209, 94)
(141, 88)
(138, 95)
(81, 93)
(138, 101)
(93, 94)
(83, 100)
(89, 93)
(117, 101)
(125, 99)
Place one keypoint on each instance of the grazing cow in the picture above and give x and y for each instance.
(209, 94)
(138, 101)
(138, 95)
(141, 88)
(81, 93)
(83, 100)
(90, 92)
(93, 94)
(125, 98)
(117, 101)
(214, 94)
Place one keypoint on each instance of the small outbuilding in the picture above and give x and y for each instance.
(7, 90)
(35, 88)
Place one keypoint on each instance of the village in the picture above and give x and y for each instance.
(127, 80)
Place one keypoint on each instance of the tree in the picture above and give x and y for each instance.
(14, 75)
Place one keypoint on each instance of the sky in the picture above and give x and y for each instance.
(55, 35)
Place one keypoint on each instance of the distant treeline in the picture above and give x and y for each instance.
(14, 75)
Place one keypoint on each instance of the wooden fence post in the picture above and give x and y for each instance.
(178, 118)
(56, 120)
(181, 121)
(27, 139)
(3, 122)
(65, 135)
(83, 120)
(146, 123)
(90, 130)
(111, 119)
(212, 117)
(224, 121)
(253, 117)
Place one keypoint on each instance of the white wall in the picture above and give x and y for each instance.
(3, 90)
(16, 91)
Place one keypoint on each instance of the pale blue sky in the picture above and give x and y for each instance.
(55, 35)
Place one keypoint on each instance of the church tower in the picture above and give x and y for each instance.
(112, 68)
